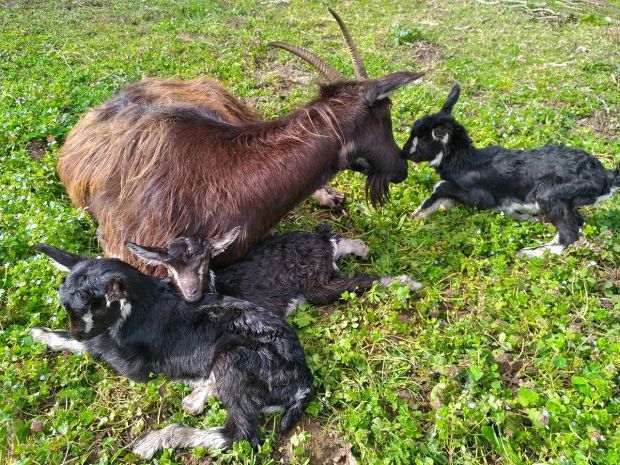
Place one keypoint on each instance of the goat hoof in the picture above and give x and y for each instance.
(39, 334)
(192, 406)
(360, 249)
(533, 252)
(410, 283)
(147, 445)
(327, 197)
(403, 280)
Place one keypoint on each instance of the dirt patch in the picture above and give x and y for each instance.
(603, 121)
(283, 78)
(36, 149)
(406, 315)
(425, 52)
(511, 369)
(324, 447)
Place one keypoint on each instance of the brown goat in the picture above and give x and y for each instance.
(209, 95)
(151, 166)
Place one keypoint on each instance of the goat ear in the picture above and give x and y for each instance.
(381, 88)
(453, 96)
(114, 289)
(220, 243)
(62, 260)
(150, 255)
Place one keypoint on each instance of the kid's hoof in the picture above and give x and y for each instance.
(403, 280)
(410, 283)
(147, 445)
(359, 249)
(532, 252)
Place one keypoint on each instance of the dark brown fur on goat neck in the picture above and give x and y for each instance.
(150, 172)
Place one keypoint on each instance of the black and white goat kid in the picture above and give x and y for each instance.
(250, 358)
(278, 273)
(553, 181)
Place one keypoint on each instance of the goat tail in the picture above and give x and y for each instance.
(175, 435)
(294, 412)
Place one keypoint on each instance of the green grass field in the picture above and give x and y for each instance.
(496, 361)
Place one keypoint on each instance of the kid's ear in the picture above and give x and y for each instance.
(453, 96)
(221, 242)
(150, 255)
(114, 289)
(441, 134)
(383, 87)
(62, 260)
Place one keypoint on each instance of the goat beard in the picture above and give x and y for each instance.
(377, 189)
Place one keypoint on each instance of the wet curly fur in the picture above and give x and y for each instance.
(141, 327)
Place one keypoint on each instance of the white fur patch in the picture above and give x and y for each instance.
(403, 280)
(512, 206)
(293, 304)
(414, 145)
(327, 197)
(88, 321)
(343, 247)
(211, 281)
(301, 393)
(60, 266)
(602, 198)
(346, 149)
(444, 139)
(553, 247)
(125, 308)
(445, 204)
(194, 403)
(173, 436)
(385, 95)
(273, 409)
(437, 160)
(56, 342)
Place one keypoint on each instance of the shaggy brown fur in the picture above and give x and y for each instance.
(196, 162)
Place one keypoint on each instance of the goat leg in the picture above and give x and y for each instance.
(173, 436)
(194, 403)
(566, 221)
(327, 197)
(360, 282)
(343, 247)
(58, 341)
(403, 280)
(431, 205)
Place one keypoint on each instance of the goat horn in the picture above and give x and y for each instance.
(360, 70)
(328, 71)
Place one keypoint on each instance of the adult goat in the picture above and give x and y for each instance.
(149, 173)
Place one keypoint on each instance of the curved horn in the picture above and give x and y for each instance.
(360, 70)
(328, 71)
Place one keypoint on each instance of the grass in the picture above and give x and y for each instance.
(497, 360)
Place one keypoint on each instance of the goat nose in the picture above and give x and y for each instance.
(192, 291)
